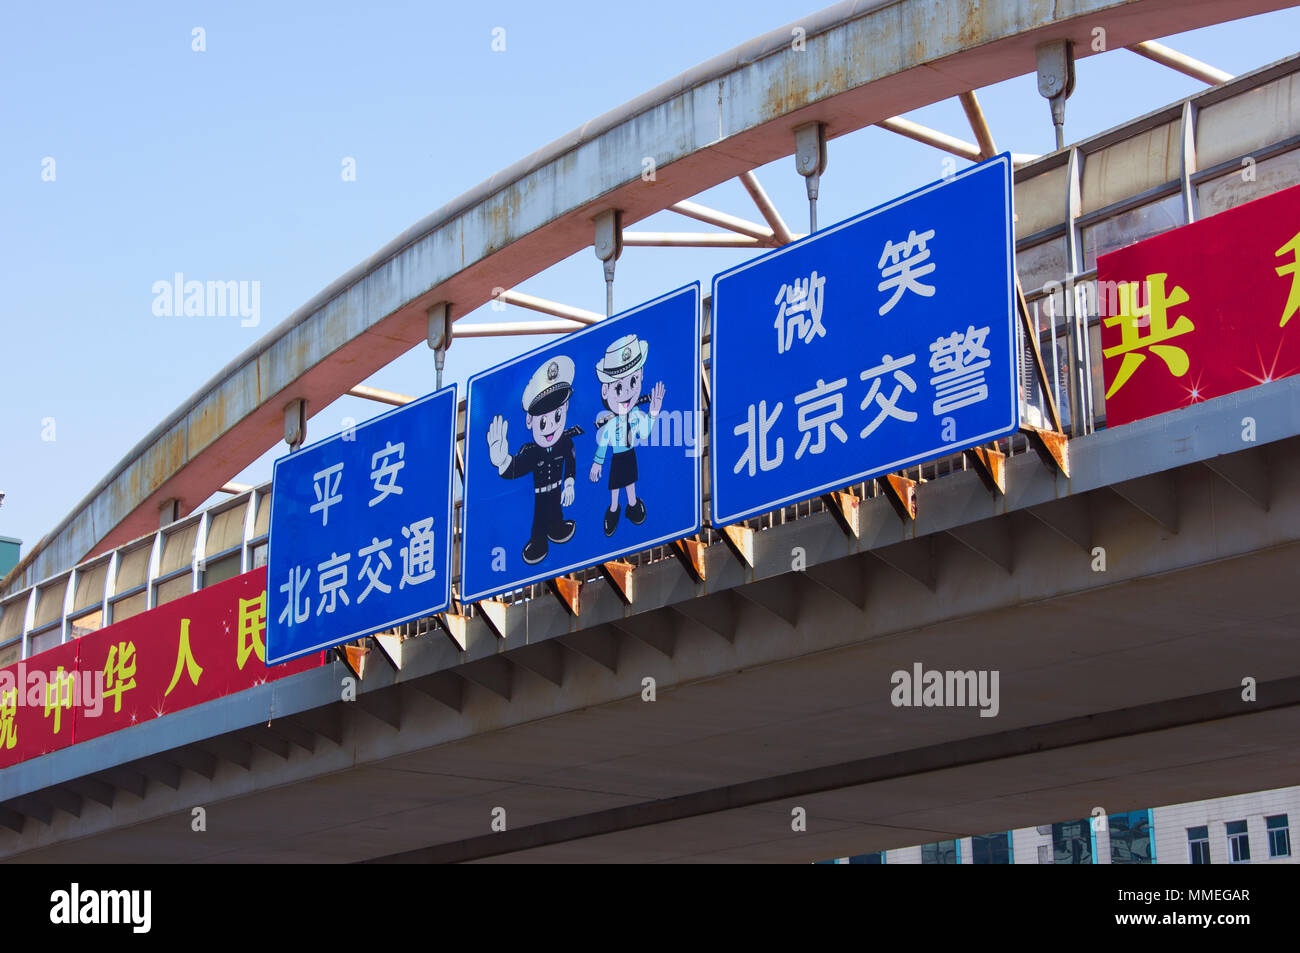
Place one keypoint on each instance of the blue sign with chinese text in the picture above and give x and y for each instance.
(868, 347)
(584, 450)
(361, 529)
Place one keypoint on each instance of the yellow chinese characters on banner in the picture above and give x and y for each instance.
(1213, 302)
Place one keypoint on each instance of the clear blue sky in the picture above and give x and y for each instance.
(226, 164)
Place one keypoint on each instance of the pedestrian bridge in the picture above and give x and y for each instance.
(1123, 583)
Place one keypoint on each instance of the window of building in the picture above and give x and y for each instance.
(943, 852)
(1072, 842)
(991, 848)
(1238, 842)
(1198, 845)
(1130, 838)
(875, 857)
(1279, 836)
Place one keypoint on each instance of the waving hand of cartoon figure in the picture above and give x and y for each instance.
(498, 448)
(656, 399)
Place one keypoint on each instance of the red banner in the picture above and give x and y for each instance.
(1203, 310)
(189, 651)
(38, 702)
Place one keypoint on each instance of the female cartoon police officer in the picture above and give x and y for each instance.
(621, 372)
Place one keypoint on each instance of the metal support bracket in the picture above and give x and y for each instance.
(353, 659)
(810, 160)
(295, 423)
(901, 493)
(740, 540)
(846, 508)
(439, 335)
(620, 576)
(390, 647)
(494, 614)
(568, 591)
(1056, 80)
(609, 245)
(1053, 447)
(690, 553)
(991, 465)
(454, 626)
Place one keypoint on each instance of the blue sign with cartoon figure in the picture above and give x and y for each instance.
(360, 537)
(584, 450)
(868, 347)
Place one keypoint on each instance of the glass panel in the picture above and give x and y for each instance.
(1236, 827)
(132, 568)
(990, 849)
(9, 653)
(130, 606)
(11, 618)
(90, 586)
(944, 852)
(1131, 226)
(46, 640)
(263, 521)
(225, 530)
(1072, 842)
(873, 858)
(1276, 821)
(1248, 183)
(1041, 263)
(219, 570)
(259, 555)
(178, 549)
(182, 585)
(1130, 838)
(86, 624)
(49, 602)
(1198, 833)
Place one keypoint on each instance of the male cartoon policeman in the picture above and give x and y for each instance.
(621, 372)
(550, 458)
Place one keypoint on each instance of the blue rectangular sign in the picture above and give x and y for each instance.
(361, 529)
(867, 347)
(584, 450)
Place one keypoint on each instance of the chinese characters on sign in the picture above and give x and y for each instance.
(1201, 311)
(896, 343)
(361, 530)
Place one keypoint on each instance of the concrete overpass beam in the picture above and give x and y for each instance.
(1246, 472)
(493, 673)
(544, 658)
(1153, 496)
(656, 629)
(778, 596)
(599, 644)
(846, 578)
(990, 539)
(444, 687)
(1067, 516)
(716, 611)
(913, 558)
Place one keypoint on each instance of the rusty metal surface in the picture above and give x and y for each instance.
(864, 62)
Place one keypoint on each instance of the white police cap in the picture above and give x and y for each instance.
(550, 386)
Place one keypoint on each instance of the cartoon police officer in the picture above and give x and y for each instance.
(549, 458)
(621, 372)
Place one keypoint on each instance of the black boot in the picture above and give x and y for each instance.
(636, 512)
(562, 531)
(535, 551)
(611, 521)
